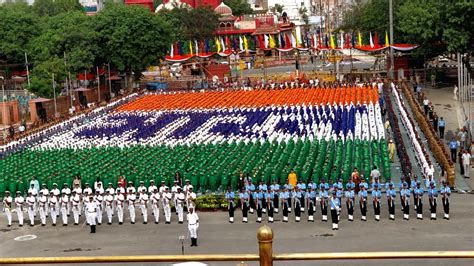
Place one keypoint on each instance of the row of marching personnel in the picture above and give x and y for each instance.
(302, 197)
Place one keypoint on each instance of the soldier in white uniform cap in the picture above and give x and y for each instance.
(19, 201)
(193, 225)
(143, 198)
(90, 208)
(31, 202)
(131, 198)
(7, 207)
(166, 198)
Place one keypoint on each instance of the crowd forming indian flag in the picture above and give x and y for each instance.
(211, 136)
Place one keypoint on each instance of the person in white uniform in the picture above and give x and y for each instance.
(193, 225)
(43, 208)
(179, 199)
(19, 202)
(143, 198)
(76, 205)
(99, 200)
(155, 199)
(119, 205)
(109, 206)
(90, 207)
(131, 198)
(53, 207)
(64, 207)
(31, 203)
(166, 198)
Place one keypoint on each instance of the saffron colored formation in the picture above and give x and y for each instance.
(210, 137)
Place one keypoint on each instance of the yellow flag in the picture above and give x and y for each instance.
(359, 38)
(387, 43)
(331, 39)
(272, 42)
(246, 44)
(298, 43)
(218, 45)
(190, 47)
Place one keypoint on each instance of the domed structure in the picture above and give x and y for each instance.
(223, 10)
(172, 4)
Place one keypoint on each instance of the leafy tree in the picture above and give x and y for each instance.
(131, 38)
(55, 7)
(42, 76)
(239, 7)
(18, 26)
(277, 9)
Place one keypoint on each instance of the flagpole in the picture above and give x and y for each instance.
(27, 69)
(54, 95)
(98, 85)
(391, 39)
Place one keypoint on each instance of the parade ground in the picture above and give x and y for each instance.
(217, 236)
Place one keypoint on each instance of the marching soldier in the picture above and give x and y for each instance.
(7, 207)
(323, 196)
(180, 200)
(244, 204)
(90, 208)
(335, 205)
(276, 201)
(289, 187)
(433, 196)
(132, 188)
(405, 195)
(191, 198)
(143, 198)
(258, 197)
(109, 206)
(193, 225)
(174, 190)
(391, 196)
(263, 189)
(55, 190)
(251, 190)
(269, 201)
(376, 196)
(363, 201)
(119, 206)
(110, 189)
(67, 191)
(302, 188)
(350, 197)
(445, 193)
(230, 197)
(311, 203)
(155, 199)
(76, 202)
(53, 207)
(419, 191)
(19, 201)
(152, 187)
(99, 200)
(413, 185)
(31, 202)
(64, 204)
(43, 208)
(285, 203)
(131, 198)
(142, 188)
(298, 196)
(44, 190)
(87, 191)
(166, 198)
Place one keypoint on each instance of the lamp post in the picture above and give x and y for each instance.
(3, 103)
(390, 7)
(181, 239)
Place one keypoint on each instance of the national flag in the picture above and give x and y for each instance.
(293, 41)
(190, 47)
(359, 39)
(271, 42)
(241, 44)
(387, 43)
(333, 45)
(371, 41)
(342, 40)
(246, 44)
(266, 42)
(197, 47)
(218, 45)
(172, 50)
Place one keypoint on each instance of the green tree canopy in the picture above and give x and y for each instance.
(55, 7)
(239, 7)
(131, 38)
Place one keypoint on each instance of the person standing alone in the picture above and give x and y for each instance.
(466, 161)
(193, 225)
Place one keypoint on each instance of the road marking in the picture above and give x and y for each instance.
(25, 238)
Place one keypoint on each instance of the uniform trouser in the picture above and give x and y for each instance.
(167, 211)
(446, 206)
(131, 210)
(270, 212)
(276, 203)
(8, 213)
(179, 209)
(69, 209)
(144, 211)
(441, 132)
(419, 207)
(302, 204)
(91, 220)
(100, 213)
(31, 215)
(156, 212)
(285, 211)
(54, 214)
(391, 207)
(415, 202)
(324, 209)
(311, 208)
(466, 170)
(433, 206)
(64, 214)
(120, 213)
(297, 210)
(19, 213)
(406, 207)
(289, 205)
(76, 213)
(245, 210)
(252, 204)
(363, 208)
(376, 208)
(259, 211)
(264, 205)
(231, 211)
(109, 210)
(42, 213)
(350, 209)
(334, 216)
(193, 230)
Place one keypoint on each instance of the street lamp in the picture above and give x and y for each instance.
(3, 103)
(182, 238)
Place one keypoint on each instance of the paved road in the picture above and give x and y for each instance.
(218, 236)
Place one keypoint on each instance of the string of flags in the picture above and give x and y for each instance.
(284, 41)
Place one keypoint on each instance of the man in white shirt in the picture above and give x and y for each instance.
(35, 183)
(191, 198)
(131, 198)
(119, 203)
(154, 199)
(53, 207)
(43, 207)
(180, 199)
(19, 201)
(88, 190)
(7, 207)
(109, 203)
(166, 198)
(33, 190)
(193, 225)
(466, 161)
(152, 187)
(76, 206)
(55, 190)
(143, 198)
(142, 188)
(64, 207)
(31, 203)
(99, 200)
(131, 188)
(91, 213)
(44, 190)
(110, 189)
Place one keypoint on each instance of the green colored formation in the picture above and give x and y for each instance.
(209, 167)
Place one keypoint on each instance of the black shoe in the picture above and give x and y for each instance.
(120, 223)
(109, 223)
(144, 222)
(76, 224)
(259, 221)
(43, 225)
(64, 224)
(54, 224)
(31, 225)
(21, 225)
(270, 222)
(68, 215)
(180, 222)
(9, 225)
(167, 222)
(99, 223)
(133, 222)
(156, 223)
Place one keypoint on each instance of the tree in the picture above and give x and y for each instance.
(55, 7)
(303, 12)
(131, 38)
(42, 76)
(18, 25)
(277, 9)
(239, 7)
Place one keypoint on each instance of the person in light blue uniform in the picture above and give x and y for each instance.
(339, 185)
(433, 197)
(259, 197)
(263, 188)
(298, 196)
(391, 195)
(419, 191)
(269, 196)
(302, 187)
(284, 196)
(323, 195)
(335, 206)
(311, 203)
(363, 201)
(376, 182)
(376, 196)
(350, 197)
(230, 197)
(324, 184)
(250, 188)
(312, 185)
(244, 204)
(275, 188)
(289, 188)
(350, 184)
(405, 200)
(413, 185)
(445, 192)
(364, 183)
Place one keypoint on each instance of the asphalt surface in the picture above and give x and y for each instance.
(217, 236)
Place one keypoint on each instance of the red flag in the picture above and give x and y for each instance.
(376, 40)
(227, 43)
(347, 43)
(312, 41)
(261, 41)
(287, 41)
